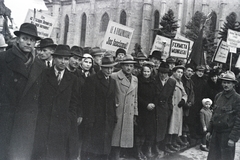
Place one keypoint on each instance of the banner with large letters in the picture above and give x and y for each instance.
(117, 36)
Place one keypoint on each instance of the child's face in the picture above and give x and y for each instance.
(207, 104)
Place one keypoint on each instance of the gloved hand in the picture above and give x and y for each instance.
(181, 103)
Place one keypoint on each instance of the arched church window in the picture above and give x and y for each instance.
(104, 22)
(123, 18)
(83, 30)
(66, 26)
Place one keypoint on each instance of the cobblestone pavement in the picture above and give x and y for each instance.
(193, 153)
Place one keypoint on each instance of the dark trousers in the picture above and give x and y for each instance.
(219, 149)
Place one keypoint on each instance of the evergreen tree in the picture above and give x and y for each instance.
(194, 26)
(230, 23)
(169, 25)
(137, 49)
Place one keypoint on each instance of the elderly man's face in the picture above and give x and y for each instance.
(60, 62)
(26, 42)
(227, 85)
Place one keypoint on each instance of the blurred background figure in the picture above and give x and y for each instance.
(97, 54)
(3, 44)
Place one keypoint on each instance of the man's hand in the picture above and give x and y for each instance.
(231, 143)
(208, 136)
(79, 120)
(205, 129)
(150, 106)
(181, 103)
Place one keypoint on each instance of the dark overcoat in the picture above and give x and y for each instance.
(164, 106)
(99, 116)
(19, 88)
(146, 119)
(56, 117)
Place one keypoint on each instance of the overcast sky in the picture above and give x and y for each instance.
(19, 8)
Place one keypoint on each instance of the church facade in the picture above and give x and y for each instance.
(84, 22)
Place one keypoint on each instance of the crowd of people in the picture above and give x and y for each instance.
(62, 103)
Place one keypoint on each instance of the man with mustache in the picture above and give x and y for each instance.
(224, 127)
(126, 106)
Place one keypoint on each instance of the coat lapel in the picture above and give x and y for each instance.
(133, 84)
(123, 78)
(65, 81)
(35, 72)
(16, 64)
(52, 79)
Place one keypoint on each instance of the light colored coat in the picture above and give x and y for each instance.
(175, 126)
(126, 103)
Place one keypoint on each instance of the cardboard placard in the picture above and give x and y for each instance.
(43, 22)
(221, 52)
(179, 48)
(161, 44)
(117, 36)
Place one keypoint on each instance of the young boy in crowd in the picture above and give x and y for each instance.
(205, 117)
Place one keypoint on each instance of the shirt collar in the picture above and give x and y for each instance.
(229, 93)
(56, 71)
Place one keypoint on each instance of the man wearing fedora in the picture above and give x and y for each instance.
(155, 57)
(19, 89)
(164, 106)
(75, 60)
(56, 129)
(97, 54)
(126, 106)
(224, 127)
(45, 50)
(99, 111)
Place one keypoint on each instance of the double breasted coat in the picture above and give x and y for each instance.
(126, 109)
(56, 117)
(99, 113)
(175, 125)
(19, 88)
(164, 106)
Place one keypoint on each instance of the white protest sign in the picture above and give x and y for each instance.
(117, 36)
(178, 36)
(162, 44)
(179, 48)
(43, 22)
(221, 53)
(233, 39)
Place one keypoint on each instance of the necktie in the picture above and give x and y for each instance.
(59, 77)
(48, 64)
(107, 78)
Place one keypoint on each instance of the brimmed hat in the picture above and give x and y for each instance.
(170, 60)
(29, 29)
(86, 50)
(213, 72)
(77, 51)
(108, 61)
(120, 50)
(62, 50)
(164, 68)
(206, 100)
(228, 76)
(156, 54)
(140, 56)
(178, 67)
(97, 51)
(46, 42)
(200, 68)
(189, 65)
(128, 59)
(148, 63)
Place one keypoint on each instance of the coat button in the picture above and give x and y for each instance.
(15, 80)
